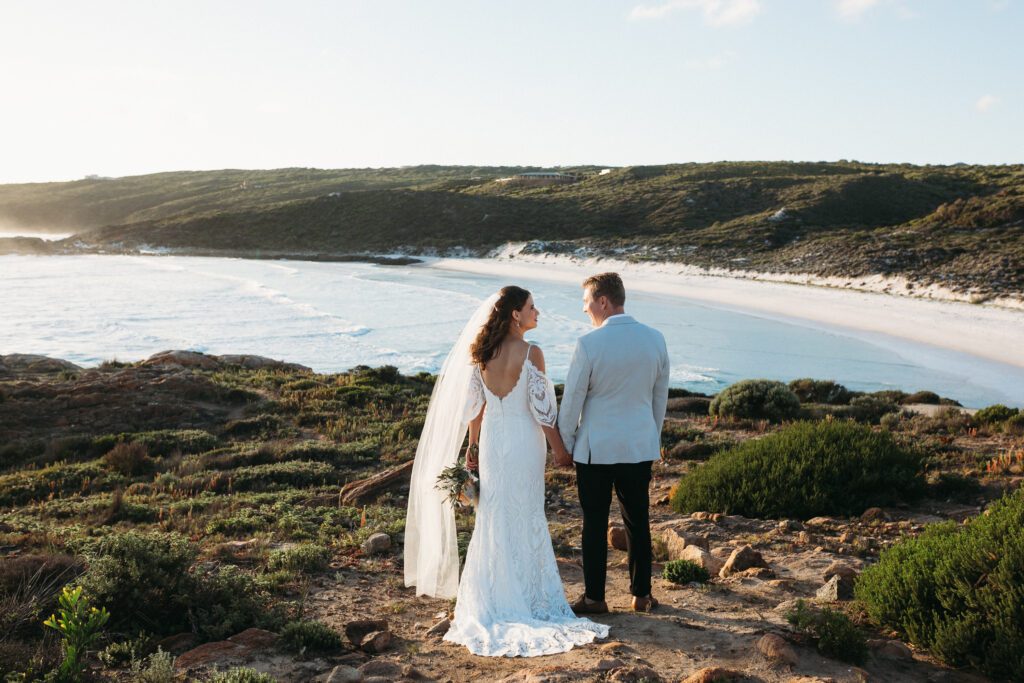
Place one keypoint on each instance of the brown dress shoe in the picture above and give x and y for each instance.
(644, 604)
(584, 606)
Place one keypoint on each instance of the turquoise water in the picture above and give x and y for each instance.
(332, 316)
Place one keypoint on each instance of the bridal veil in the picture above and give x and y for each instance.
(431, 545)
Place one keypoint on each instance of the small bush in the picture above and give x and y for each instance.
(1014, 425)
(157, 668)
(805, 470)
(310, 636)
(242, 675)
(994, 414)
(956, 590)
(835, 634)
(130, 459)
(820, 391)
(685, 571)
(946, 486)
(307, 557)
(143, 580)
(758, 399)
(870, 408)
(923, 397)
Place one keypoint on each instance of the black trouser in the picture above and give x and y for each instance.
(631, 482)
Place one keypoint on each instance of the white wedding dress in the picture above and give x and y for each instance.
(510, 598)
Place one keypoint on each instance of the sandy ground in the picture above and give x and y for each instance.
(994, 330)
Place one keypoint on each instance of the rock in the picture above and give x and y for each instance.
(616, 647)
(377, 543)
(820, 521)
(617, 536)
(544, 674)
(722, 552)
(380, 668)
(609, 664)
(356, 631)
(376, 642)
(208, 654)
(874, 514)
(809, 679)
(837, 588)
(699, 556)
(776, 650)
(634, 674)
(440, 628)
(261, 362)
(178, 643)
(842, 570)
(255, 638)
(186, 359)
(789, 525)
(891, 649)
(762, 573)
(344, 674)
(36, 364)
(742, 558)
(676, 540)
(713, 674)
(803, 538)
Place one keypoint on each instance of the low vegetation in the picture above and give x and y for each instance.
(957, 590)
(802, 471)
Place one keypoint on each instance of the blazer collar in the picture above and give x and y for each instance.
(620, 319)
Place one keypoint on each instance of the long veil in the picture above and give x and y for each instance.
(431, 546)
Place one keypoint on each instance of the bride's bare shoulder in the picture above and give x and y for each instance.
(536, 357)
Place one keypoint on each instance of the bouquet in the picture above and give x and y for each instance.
(461, 484)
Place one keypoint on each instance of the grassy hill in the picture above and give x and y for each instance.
(962, 226)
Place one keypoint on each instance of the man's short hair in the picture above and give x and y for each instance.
(609, 285)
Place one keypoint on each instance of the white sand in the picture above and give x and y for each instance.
(995, 332)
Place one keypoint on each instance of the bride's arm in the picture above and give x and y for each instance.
(562, 456)
(473, 450)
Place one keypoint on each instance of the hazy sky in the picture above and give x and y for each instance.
(121, 88)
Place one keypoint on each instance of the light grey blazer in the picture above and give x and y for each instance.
(615, 394)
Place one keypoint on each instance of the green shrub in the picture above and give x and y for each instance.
(760, 399)
(994, 414)
(310, 636)
(1014, 425)
(156, 668)
(143, 579)
(957, 590)
(834, 633)
(804, 470)
(923, 397)
(871, 408)
(296, 473)
(241, 675)
(685, 571)
(148, 581)
(226, 600)
(820, 391)
(307, 557)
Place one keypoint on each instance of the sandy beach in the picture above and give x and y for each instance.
(994, 332)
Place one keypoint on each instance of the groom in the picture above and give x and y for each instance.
(611, 416)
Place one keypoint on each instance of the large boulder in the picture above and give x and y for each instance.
(36, 364)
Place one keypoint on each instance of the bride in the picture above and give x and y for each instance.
(510, 600)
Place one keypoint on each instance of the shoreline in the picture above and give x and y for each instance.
(991, 332)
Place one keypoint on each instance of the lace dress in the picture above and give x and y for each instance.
(510, 601)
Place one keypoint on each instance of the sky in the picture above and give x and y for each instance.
(123, 88)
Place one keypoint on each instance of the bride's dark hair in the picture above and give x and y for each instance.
(488, 342)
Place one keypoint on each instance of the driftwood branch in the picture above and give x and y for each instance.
(365, 490)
